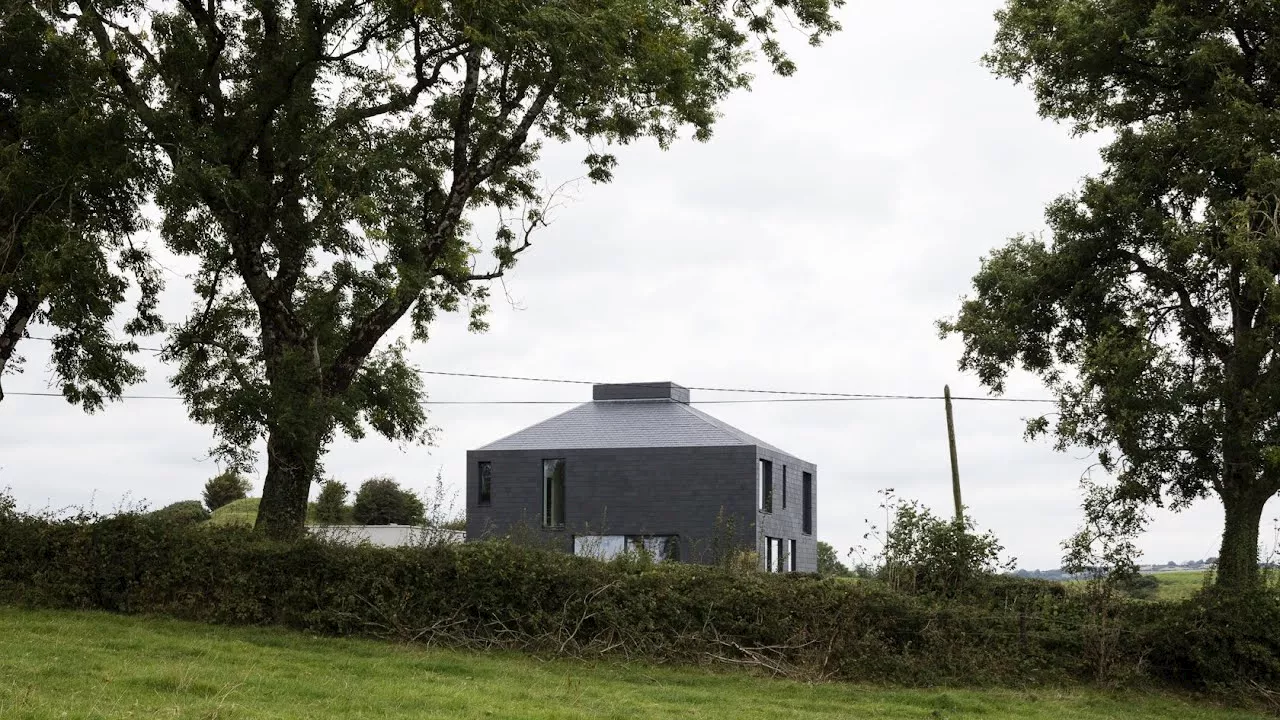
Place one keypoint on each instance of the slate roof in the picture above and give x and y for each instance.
(628, 424)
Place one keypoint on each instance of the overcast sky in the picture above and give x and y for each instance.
(811, 245)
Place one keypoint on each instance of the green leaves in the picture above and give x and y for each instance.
(330, 162)
(72, 175)
(1152, 313)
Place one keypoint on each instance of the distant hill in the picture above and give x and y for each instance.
(1189, 566)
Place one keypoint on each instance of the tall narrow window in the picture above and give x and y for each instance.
(553, 493)
(773, 554)
(784, 487)
(791, 557)
(486, 484)
(806, 498)
(765, 484)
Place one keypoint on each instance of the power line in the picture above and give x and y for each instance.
(803, 396)
(550, 402)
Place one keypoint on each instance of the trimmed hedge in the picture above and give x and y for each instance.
(1013, 632)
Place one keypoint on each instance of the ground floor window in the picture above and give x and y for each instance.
(607, 547)
(775, 555)
(791, 556)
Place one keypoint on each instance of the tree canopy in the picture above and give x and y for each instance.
(1153, 310)
(381, 501)
(72, 175)
(325, 161)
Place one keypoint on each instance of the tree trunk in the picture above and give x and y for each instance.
(11, 331)
(292, 455)
(1238, 558)
(298, 422)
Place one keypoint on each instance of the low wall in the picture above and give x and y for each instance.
(387, 535)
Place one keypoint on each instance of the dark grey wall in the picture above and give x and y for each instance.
(624, 491)
(664, 390)
(788, 522)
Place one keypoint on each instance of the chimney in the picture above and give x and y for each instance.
(665, 390)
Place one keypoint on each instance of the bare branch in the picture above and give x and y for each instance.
(1194, 317)
(443, 56)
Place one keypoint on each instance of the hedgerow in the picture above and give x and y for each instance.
(497, 595)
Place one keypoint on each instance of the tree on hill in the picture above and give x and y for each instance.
(225, 488)
(327, 158)
(381, 501)
(72, 174)
(1153, 312)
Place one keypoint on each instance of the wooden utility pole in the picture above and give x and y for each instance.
(951, 442)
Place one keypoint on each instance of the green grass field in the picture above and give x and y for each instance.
(1179, 585)
(94, 665)
(1175, 585)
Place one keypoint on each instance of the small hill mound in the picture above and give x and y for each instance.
(238, 512)
(245, 512)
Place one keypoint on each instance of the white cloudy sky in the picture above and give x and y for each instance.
(810, 246)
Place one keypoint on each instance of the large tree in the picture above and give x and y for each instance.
(326, 159)
(1153, 311)
(72, 174)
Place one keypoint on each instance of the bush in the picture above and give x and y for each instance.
(1142, 587)
(185, 511)
(925, 553)
(225, 488)
(381, 501)
(331, 508)
(1216, 641)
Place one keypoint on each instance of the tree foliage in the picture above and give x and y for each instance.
(224, 488)
(381, 501)
(829, 562)
(72, 174)
(327, 160)
(1153, 311)
(331, 504)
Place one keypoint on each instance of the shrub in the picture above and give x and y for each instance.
(331, 505)
(185, 512)
(1142, 587)
(457, 522)
(225, 488)
(381, 501)
(1217, 641)
(925, 553)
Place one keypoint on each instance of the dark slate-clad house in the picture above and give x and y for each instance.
(638, 465)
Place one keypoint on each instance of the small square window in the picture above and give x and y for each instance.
(485, 494)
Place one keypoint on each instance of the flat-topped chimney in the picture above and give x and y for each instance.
(665, 390)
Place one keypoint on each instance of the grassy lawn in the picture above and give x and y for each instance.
(93, 665)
